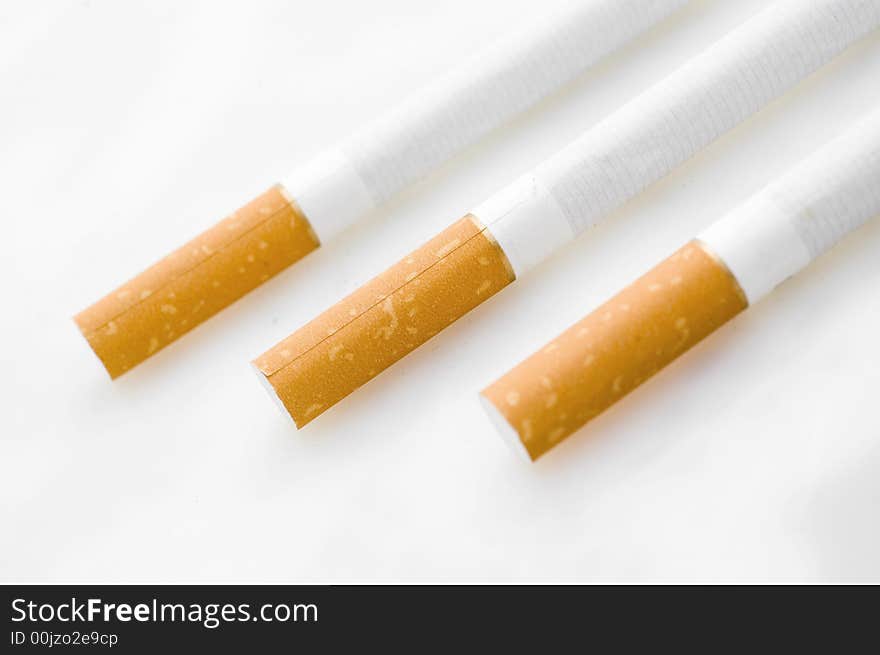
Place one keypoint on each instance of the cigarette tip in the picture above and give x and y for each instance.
(504, 428)
(267, 385)
(95, 356)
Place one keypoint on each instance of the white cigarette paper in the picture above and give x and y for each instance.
(793, 221)
(349, 180)
(669, 123)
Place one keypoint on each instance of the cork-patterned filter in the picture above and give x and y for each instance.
(387, 318)
(196, 281)
(609, 353)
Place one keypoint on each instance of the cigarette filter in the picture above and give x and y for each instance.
(316, 202)
(576, 188)
(396, 312)
(730, 266)
(196, 281)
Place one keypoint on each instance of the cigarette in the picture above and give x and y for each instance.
(566, 195)
(316, 202)
(729, 267)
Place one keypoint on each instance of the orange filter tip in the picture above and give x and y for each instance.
(387, 318)
(603, 357)
(196, 281)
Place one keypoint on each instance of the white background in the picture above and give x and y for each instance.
(128, 127)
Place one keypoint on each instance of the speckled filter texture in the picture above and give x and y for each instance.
(196, 281)
(384, 320)
(612, 351)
